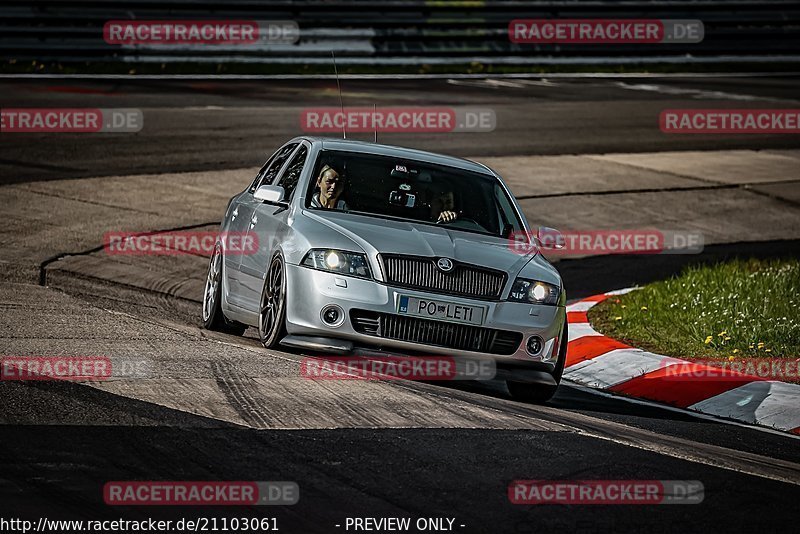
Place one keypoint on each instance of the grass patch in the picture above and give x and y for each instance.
(739, 310)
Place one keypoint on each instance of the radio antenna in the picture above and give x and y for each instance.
(374, 125)
(341, 102)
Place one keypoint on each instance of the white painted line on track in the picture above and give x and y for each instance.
(616, 367)
(624, 291)
(765, 402)
(699, 94)
(579, 330)
(582, 306)
(697, 415)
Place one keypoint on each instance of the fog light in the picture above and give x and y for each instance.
(332, 315)
(534, 345)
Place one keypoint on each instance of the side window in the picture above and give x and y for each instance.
(267, 174)
(257, 179)
(292, 175)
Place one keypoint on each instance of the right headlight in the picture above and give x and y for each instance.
(338, 261)
(534, 292)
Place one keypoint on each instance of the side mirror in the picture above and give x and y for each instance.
(272, 194)
(550, 238)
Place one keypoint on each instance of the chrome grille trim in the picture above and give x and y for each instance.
(465, 280)
(436, 333)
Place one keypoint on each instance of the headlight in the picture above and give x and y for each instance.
(338, 261)
(534, 292)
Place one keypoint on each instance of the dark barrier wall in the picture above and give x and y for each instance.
(396, 33)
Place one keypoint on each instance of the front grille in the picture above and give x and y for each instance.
(465, 280)
(438, 333)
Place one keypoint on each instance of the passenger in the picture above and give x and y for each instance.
(330, 185)
(443, 208)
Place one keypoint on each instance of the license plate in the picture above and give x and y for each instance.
(437, 309)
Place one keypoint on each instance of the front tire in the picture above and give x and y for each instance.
(537, 393)
(213, 317)
(272, 311)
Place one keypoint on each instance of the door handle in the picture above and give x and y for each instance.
(235, 213)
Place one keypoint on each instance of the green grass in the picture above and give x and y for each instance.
(738, 310)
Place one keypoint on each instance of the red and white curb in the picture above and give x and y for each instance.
(600, 362)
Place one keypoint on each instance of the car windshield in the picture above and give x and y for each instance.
(394, 187)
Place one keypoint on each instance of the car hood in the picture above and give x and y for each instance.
(383, 236)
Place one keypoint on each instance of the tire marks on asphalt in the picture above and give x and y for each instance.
(236, 389)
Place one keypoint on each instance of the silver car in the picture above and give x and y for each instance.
(363, 246)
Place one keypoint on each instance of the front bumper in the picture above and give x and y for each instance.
(310, 290)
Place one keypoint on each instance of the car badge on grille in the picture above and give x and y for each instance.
(445, 265)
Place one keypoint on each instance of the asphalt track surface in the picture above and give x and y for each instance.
(226, 124)
(222, 408)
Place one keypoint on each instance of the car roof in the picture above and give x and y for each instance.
(365, 147)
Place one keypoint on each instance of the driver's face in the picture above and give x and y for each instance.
(330, 183)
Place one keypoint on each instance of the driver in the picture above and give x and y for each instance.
(331, 185)
(443, 208)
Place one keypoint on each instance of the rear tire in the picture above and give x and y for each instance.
(213, 316)
(537, 393)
